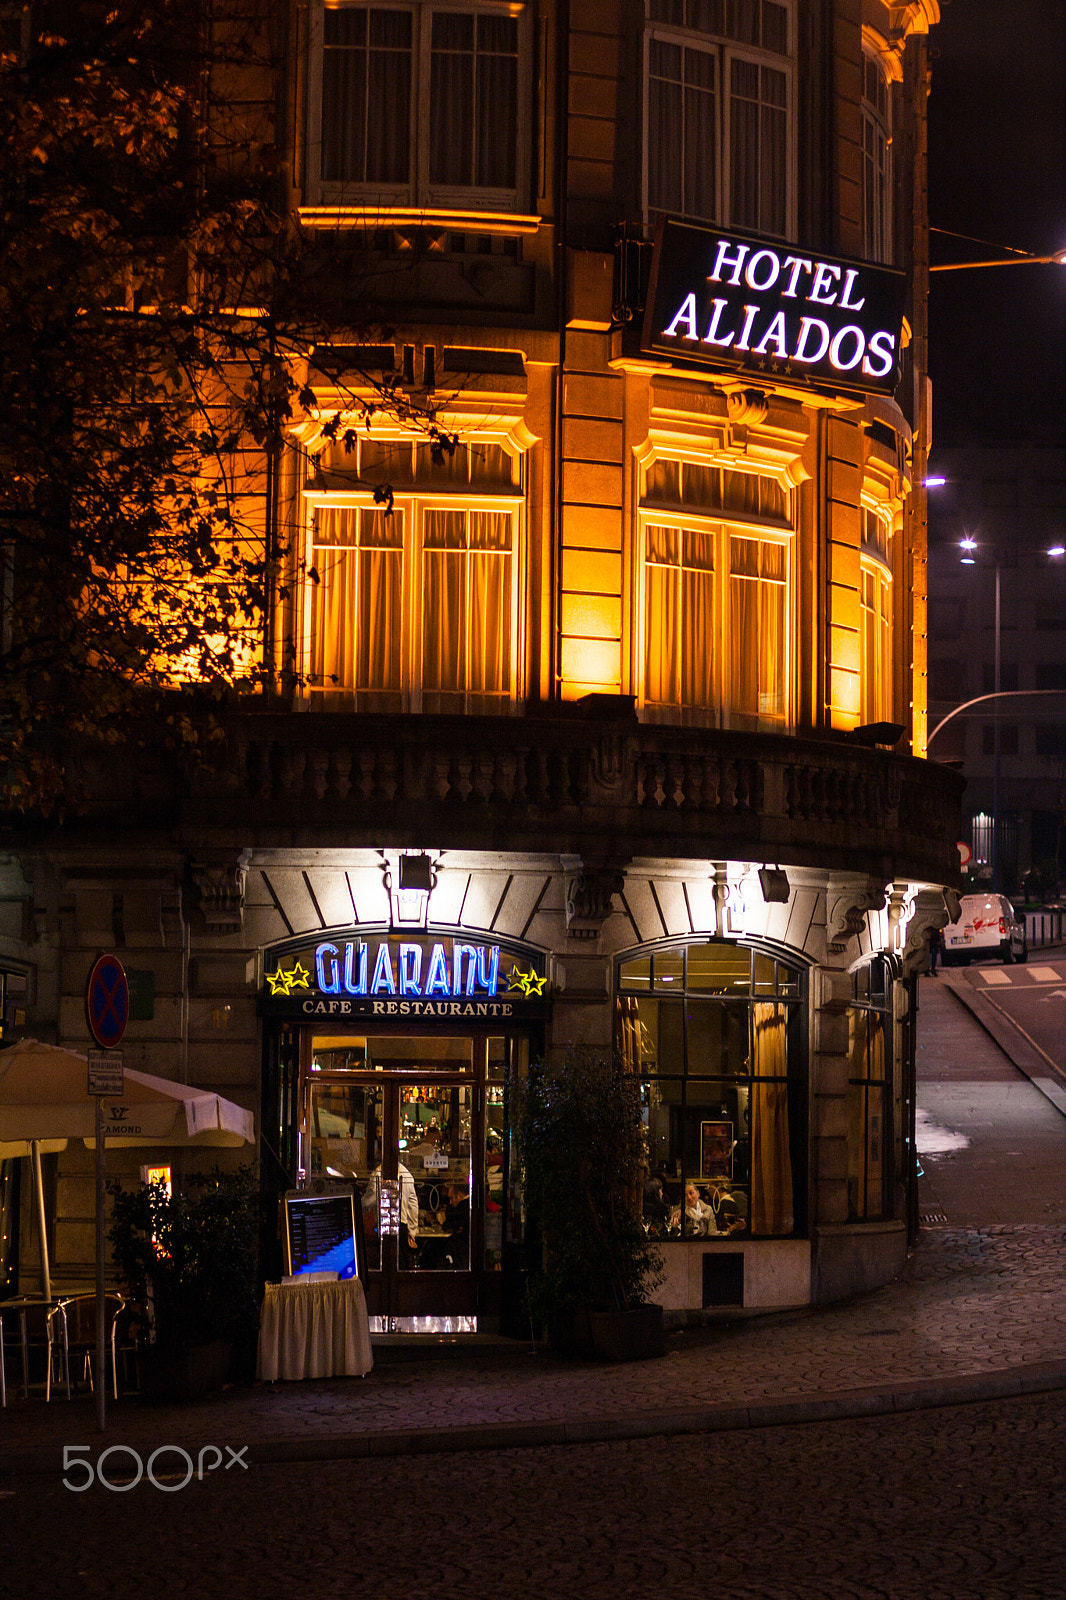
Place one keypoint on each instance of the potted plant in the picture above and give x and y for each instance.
(188, 1260)
(581, 1147)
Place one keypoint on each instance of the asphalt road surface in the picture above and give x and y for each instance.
(991, 1146)
(1033, 996)
(966, 1503)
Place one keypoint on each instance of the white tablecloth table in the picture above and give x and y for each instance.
(314, 1330)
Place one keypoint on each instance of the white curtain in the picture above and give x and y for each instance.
(662, 641)
(757, 629)
(473, 100)
(758, 146)
(771, 1168)
(366, 95)
(682, 129)
(466, 609)
(355, 605)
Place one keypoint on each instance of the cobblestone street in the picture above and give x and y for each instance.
(964, 1503)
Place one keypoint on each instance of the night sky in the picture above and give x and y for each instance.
(997, 169)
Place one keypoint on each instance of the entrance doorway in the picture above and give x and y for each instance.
(418, 1125)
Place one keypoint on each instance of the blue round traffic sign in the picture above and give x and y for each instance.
(107, 1002)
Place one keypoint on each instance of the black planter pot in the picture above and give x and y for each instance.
(633, 1335)
(183, 1374)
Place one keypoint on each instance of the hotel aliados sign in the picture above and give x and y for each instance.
(436, 977)
(726, 300)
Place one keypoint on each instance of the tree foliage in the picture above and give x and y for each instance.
(133, 549)
(154, 345)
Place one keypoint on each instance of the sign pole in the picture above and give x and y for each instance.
(107, 1010)
(101, 1341)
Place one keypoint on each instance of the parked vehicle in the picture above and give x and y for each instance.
(987, 923)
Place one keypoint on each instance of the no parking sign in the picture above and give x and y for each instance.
(107, 1001)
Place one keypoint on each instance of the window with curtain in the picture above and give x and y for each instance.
(876, 162)
(356, 589)
(870, 1127)
(419, 104)
(414, 609)
(715, 614)
(715, 1031)
(757, 586)
(876, 642)
(679, 619)
(719, 97)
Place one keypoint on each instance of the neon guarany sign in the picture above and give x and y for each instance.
(359, 969)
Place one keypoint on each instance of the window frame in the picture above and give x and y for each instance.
(877, 219)
(725, 51)
(721, 526)
(788, 991)
(418, 191)
(875, 567)
(410, 501)
(878, 1004)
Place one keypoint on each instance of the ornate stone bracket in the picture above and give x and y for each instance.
(747, 407)
(930, 908)
(847, 914)
(220, 887)
(589, 893)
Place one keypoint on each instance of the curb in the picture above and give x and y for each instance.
(908, 1395)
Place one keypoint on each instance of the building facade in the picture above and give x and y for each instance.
(599, 653)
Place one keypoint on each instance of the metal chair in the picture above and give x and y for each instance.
(40, 1327)
(78, 1333)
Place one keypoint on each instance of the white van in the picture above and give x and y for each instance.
(987, 923)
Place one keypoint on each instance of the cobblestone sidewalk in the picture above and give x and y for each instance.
(977, 1313)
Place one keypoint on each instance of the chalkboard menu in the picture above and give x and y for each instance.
(320, 1233)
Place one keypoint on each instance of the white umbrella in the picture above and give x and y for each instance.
(44, 1096)
(44, 1101)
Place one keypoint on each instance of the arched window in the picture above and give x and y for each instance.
(715, 1032)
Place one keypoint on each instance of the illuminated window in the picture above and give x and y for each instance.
(874, 1134)
(418, 104)
(875, 577)
(719, 111)
(715, 613)
(876, 162)
(414, 609)
(715, 1033)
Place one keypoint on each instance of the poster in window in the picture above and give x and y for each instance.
(716, 1150)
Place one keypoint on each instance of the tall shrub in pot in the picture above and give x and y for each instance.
(582, 1151)
(188, 1260)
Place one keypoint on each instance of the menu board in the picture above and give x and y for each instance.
(320, 1233)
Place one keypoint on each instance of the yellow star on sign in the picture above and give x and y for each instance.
(535, 985)
(517, 979)
(299, 978)
(278, 981)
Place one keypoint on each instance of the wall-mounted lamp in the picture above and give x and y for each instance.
(409, 894)
(773, 882)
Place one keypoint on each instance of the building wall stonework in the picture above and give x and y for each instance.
(653, 626)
